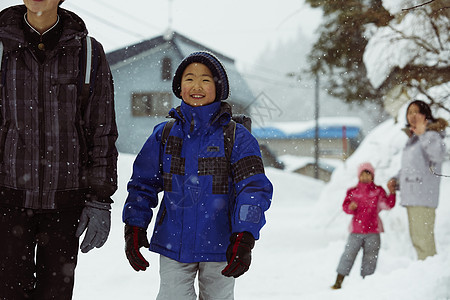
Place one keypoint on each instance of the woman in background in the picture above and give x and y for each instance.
(417, 180)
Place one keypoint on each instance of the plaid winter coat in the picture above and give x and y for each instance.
(54, 153)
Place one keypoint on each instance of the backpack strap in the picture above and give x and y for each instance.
(88, 67)
(166, 131)
(229, 135)
(1, 54)
(229, 132)
(244, 120)
(1, 59)
(2, 72)
(88, 55)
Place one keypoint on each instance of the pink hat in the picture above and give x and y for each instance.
(367, 166)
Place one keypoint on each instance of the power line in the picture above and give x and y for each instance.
(258, 77)
(106, 22)
(129, 16)
(275, 82)
(288, 17)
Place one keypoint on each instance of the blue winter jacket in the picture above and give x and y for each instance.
(198, 211)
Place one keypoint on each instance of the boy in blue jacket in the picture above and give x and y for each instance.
(213, 205)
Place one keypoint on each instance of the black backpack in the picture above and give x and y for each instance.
(229, 132)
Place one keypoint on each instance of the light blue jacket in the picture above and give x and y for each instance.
(198, 212)
(422, 155)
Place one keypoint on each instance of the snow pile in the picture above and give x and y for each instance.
(301, 244)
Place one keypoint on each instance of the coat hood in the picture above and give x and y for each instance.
(438, 125)
(222, 116)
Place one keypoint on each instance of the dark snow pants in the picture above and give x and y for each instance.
(38, 253)
(371, 246)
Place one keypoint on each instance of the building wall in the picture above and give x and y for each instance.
(142, 75)
(328, 148)
(308, 170)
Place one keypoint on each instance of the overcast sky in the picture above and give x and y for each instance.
(241, 29)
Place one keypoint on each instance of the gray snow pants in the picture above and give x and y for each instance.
(371, 246)
(177, 280)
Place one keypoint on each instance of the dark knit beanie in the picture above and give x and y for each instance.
(213, 64)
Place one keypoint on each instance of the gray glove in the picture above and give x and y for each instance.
(96, 218)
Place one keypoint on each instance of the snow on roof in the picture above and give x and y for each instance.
(329, 127)
(293, 162)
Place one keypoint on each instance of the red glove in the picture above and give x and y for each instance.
(239, 254)
(135, 238)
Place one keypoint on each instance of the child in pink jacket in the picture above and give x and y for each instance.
(364, 202)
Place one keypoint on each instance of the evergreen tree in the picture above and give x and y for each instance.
(338, 53)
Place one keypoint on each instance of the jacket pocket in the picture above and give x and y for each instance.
(413, 184)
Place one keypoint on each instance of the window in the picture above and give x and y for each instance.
(166, 69)
(150, 104)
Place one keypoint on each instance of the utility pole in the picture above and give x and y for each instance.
(316, 118)
(168, 35)
(316, 131)
(170, 16)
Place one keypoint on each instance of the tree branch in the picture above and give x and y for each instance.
(417, 6)
(416, 39)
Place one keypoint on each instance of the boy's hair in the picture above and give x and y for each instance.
(366, 166)
(213, 64)
(60, 2)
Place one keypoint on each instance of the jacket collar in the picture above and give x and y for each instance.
(365, 185)
(11, 27)
(438, 125)
(215, 113)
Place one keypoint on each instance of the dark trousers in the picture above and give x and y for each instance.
(38, 253)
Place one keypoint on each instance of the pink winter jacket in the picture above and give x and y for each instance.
(371, 199)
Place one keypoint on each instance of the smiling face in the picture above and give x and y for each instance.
(197, 85)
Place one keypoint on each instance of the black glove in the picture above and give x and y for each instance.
(135, 238)
(239, 254)
(96, 218)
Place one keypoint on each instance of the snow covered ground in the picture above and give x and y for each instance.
(302, 242)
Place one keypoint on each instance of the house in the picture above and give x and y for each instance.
(305, 165)
(324, 172)
(337, 137)
(143, 85)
